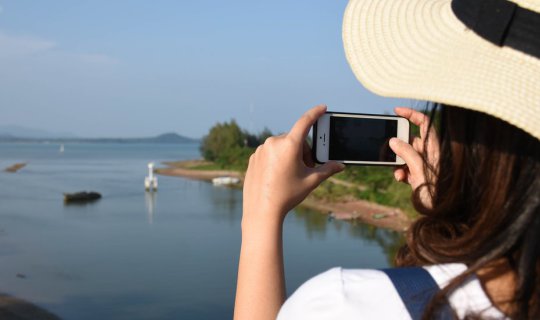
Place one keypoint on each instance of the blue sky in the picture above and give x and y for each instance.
(139, 68)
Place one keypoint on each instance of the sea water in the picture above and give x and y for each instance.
(172, 254)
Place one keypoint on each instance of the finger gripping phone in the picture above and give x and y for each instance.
(360, 139)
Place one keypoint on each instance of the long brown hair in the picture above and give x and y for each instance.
(486, 204)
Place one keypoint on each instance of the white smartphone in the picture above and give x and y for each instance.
(361, 139)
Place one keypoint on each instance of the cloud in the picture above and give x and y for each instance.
(22, 45)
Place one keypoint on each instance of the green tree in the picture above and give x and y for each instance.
(263, 135)
(228, 146)
(221, 138)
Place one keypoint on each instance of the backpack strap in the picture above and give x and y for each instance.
(416, 287)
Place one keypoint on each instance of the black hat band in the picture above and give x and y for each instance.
(502, 23)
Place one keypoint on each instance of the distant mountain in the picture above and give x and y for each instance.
(170, 137)
(24, 132)
(163, 138)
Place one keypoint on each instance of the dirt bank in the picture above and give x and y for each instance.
(363, 211)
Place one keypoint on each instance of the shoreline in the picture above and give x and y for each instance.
(346, 209)
(197, 174)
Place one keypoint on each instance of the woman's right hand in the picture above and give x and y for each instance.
(281, 174)
(412, 172)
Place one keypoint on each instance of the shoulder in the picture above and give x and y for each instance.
(470, 297)
(345, 294)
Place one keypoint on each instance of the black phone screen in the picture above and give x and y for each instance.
(361, 139)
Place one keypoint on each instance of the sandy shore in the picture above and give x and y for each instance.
(353, 209)
(185, 169)
(12, 308)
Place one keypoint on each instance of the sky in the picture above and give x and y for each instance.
(138, 68)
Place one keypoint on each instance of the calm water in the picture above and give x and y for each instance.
(134, 255)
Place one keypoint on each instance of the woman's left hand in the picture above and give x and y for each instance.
(281, 173)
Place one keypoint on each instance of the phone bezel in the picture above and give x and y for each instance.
(320, 149)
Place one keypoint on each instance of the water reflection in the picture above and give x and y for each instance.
(227, 204)
(150, 200)
(84, 203)
(317, 224)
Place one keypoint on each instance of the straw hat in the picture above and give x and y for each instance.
(483, 55)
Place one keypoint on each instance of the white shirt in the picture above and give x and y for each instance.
(369, 294)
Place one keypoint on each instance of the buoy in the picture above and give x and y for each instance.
(150, 182)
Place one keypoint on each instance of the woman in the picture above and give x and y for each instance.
(476, 180)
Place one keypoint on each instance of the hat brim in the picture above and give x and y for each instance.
(418, 49)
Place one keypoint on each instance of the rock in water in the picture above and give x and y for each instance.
(81, 197)
(12, 308)
(14, 168)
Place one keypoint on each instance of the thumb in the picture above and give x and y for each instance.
(406, 152)
(325, 171)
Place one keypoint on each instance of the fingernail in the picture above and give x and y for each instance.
(336, 164)
(394, 142)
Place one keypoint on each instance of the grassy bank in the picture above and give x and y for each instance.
(370, 183)
(373, 184)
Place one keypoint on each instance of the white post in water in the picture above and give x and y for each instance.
(150, 182)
